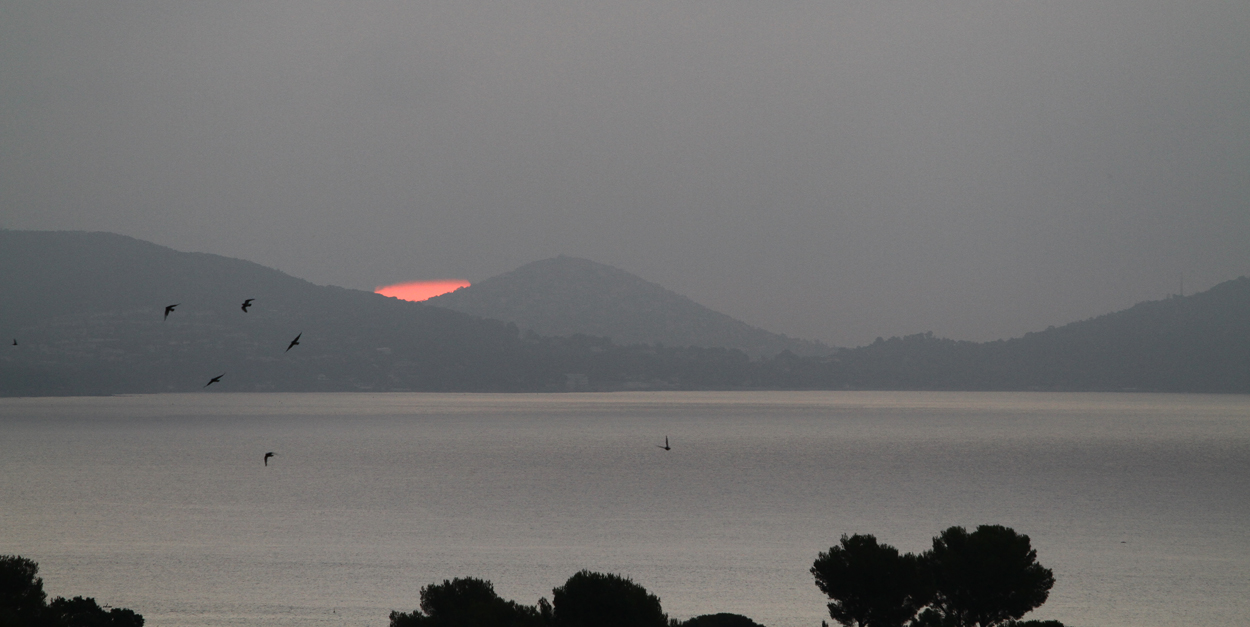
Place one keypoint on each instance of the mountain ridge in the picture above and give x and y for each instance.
(570, 295)
(87, 311)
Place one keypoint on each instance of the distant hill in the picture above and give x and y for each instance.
(87, 309)
(569, 296)
(1198, 343)
(1182, 343)
(87, 312)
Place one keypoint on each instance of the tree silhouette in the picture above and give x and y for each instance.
(22, 599)
(466, 602)
(23, 602)
(869, 584)
(983, 578)
(590, 599)
(85, 612)
(720, 620)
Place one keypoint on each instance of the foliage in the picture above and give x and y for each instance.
(984, 578)
(23, 602)
(85, 612)
(587, 598)
(466, 602)
(22, 599)
(870, 584)
(720, 620)
(591, 599)
(987, 578)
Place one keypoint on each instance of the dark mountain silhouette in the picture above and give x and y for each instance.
(87, 312)
(569, 296)
(1198, 343)
(88, 308)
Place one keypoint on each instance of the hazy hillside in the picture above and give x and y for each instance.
(1191, 343)
(87, 312)
(567, 296)
(1198, 343)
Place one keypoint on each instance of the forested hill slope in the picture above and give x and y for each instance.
(86, 310)
(568, 296)
(1198, 343)
(1183, 343)
(55, 273)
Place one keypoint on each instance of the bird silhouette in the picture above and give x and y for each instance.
(214, 379)
(267, 456)
(247, 303)
(294, 342)
(666, 446)
(170, 309)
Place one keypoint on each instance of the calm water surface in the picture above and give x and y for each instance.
(1139, 503)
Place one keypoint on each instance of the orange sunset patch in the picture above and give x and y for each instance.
(417, 291)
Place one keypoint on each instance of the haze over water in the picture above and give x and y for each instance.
(161, 503)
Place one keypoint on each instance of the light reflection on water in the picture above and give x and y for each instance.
(161, 503)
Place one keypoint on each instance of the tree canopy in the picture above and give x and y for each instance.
(85, 612)
(466, 602)
(23, 602)
(720, 620)
(590, 599)
(987, 578)
(22, 599)
(869, 584)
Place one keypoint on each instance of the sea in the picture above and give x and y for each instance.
(1139, 503)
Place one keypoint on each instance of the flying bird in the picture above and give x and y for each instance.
(666, 446)
(294, 342)
(247, 303)
(170, 309)
(214, 379)
(267, 456)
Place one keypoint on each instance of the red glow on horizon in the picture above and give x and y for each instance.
(417, 291)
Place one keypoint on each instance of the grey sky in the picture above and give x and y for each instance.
(829, 170)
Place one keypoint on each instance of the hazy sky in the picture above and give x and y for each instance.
(829, 170)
